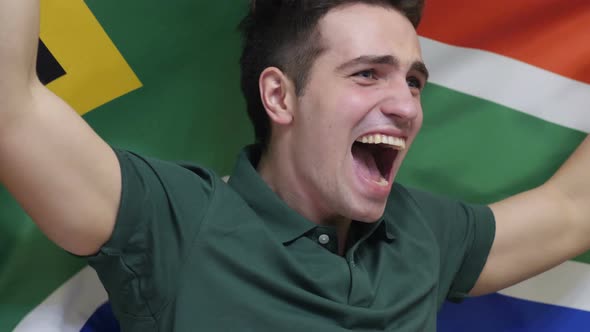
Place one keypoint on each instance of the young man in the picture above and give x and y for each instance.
(311, 232)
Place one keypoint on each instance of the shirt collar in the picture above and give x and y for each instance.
(278, 216)
(384, 231)
(285, 222)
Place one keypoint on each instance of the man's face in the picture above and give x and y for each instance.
(365, 87)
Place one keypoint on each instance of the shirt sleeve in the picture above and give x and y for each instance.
(465, 234)
(160, 213)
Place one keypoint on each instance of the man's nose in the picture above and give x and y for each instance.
(400, 101)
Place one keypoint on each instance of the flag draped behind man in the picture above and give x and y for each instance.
(508, 101)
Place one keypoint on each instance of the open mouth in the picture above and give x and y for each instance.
(374, 156)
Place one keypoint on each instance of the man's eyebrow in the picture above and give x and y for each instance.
(369, 60)
(418, 66)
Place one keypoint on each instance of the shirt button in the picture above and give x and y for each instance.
(324, 239)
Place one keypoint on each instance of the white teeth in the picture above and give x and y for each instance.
(383, 182)
(395, 142)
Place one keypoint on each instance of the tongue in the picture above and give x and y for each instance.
(364, 163)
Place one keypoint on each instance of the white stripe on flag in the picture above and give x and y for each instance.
(509, 82)
(565, 285)
(68, 308)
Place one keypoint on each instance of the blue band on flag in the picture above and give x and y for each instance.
(102, 320)
(500, 313)
(491, 313)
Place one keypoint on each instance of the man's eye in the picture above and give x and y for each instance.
(414, 82)
(368, 74)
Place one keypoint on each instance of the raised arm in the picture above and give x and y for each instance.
(64, 176)
(541, 228)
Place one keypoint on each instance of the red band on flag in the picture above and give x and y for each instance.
(552, 34)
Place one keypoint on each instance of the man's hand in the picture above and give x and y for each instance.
(541, 228)
(65, 177)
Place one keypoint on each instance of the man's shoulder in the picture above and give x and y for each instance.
(187, 184)
(412, 197)
(419, 206)
(419, 198)
(162, 167)
(437, 210)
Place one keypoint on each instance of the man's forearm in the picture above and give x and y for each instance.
(573, 180)
(542, 227)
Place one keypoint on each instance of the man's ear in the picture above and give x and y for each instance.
(277, 93)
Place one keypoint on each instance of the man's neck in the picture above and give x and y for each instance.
(277, 169)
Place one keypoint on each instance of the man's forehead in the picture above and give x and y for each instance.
(358, 30)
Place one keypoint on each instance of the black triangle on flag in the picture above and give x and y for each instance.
(48, 68)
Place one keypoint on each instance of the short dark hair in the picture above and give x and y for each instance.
(284, 34)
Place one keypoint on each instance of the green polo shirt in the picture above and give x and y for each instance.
(192, 253)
